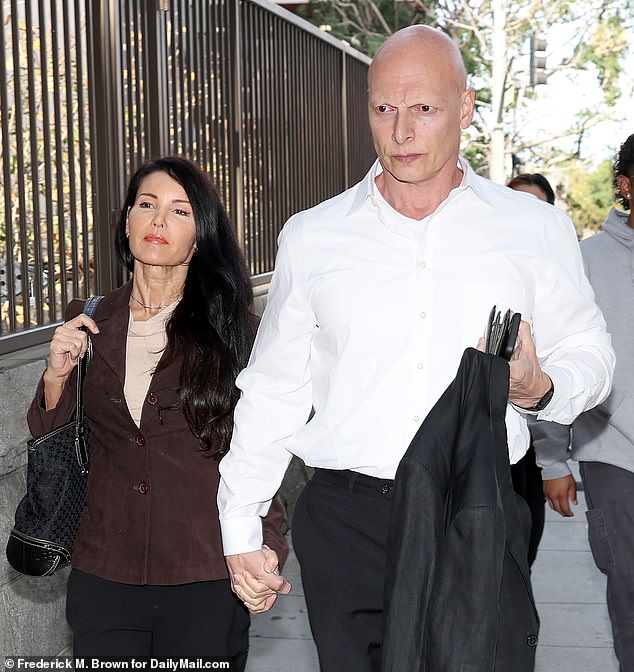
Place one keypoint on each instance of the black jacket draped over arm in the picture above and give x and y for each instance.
(458, 593)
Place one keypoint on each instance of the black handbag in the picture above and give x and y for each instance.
(48, 516)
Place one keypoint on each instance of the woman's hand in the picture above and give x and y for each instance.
(68, 346)
(256, 580)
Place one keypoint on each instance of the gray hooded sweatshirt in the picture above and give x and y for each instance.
(605, 433)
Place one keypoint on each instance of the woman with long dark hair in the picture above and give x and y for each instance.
(149, 576)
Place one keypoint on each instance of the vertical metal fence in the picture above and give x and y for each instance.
(291, 126)
(271, 107)
(45, 202)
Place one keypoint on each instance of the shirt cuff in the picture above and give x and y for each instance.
(241, 535)
(561, 393)
(545, 412)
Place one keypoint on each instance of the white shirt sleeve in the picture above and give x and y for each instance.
(573, 345)
(276, 401)
(363, 271)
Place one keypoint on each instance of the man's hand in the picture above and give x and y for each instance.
(528, 383)
(255, 578)
(560, 492)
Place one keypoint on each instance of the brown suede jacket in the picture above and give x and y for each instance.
(151, 515)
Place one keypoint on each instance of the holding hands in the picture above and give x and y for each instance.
(255, 579)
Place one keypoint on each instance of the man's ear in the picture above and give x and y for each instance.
(467, 107)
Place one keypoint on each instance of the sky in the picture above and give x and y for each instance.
(565, 93)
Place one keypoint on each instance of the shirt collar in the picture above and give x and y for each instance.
(366, 188)
(472, 181)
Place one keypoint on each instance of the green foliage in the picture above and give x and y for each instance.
(476, 155)
(364, 24)
(589, 196)
(598, 34)
(603, 50)
(471, 49)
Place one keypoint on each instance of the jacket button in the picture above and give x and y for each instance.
(531, 640)
(152, 398)
(385, 489)
(139, 439)
(143, 488)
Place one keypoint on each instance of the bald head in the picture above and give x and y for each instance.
(427, 46)
(418, 105)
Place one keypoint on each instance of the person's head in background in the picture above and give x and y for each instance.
(624, 176)
(533, 183)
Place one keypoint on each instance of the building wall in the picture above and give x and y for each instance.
(31, 609)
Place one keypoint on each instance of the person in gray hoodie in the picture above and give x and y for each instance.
(603, 438)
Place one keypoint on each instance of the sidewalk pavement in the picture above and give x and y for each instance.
(575, 634)
(280, 639)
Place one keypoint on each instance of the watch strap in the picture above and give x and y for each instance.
(544, 401)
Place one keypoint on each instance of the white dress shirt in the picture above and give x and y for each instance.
(368, 315)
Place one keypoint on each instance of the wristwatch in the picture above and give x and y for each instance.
(543, 402)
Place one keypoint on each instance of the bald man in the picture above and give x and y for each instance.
(375, 296)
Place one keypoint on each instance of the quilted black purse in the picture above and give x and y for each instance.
(48, 516)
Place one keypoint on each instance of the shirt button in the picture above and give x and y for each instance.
(416, 418)
(423, 315)
(152, 398)
(142, 488)
(420, 365)
(139, 439)
(422, 264)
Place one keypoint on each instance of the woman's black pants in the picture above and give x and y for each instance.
(202, 619)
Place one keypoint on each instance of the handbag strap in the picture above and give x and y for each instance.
(80, 446)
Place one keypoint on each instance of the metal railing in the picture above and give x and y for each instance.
(271, 107)
(45, 202)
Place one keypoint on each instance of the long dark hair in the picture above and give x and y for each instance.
(211, 326)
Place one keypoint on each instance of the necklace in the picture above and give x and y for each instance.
(149, 307)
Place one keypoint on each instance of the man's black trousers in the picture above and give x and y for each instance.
(340, 527)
